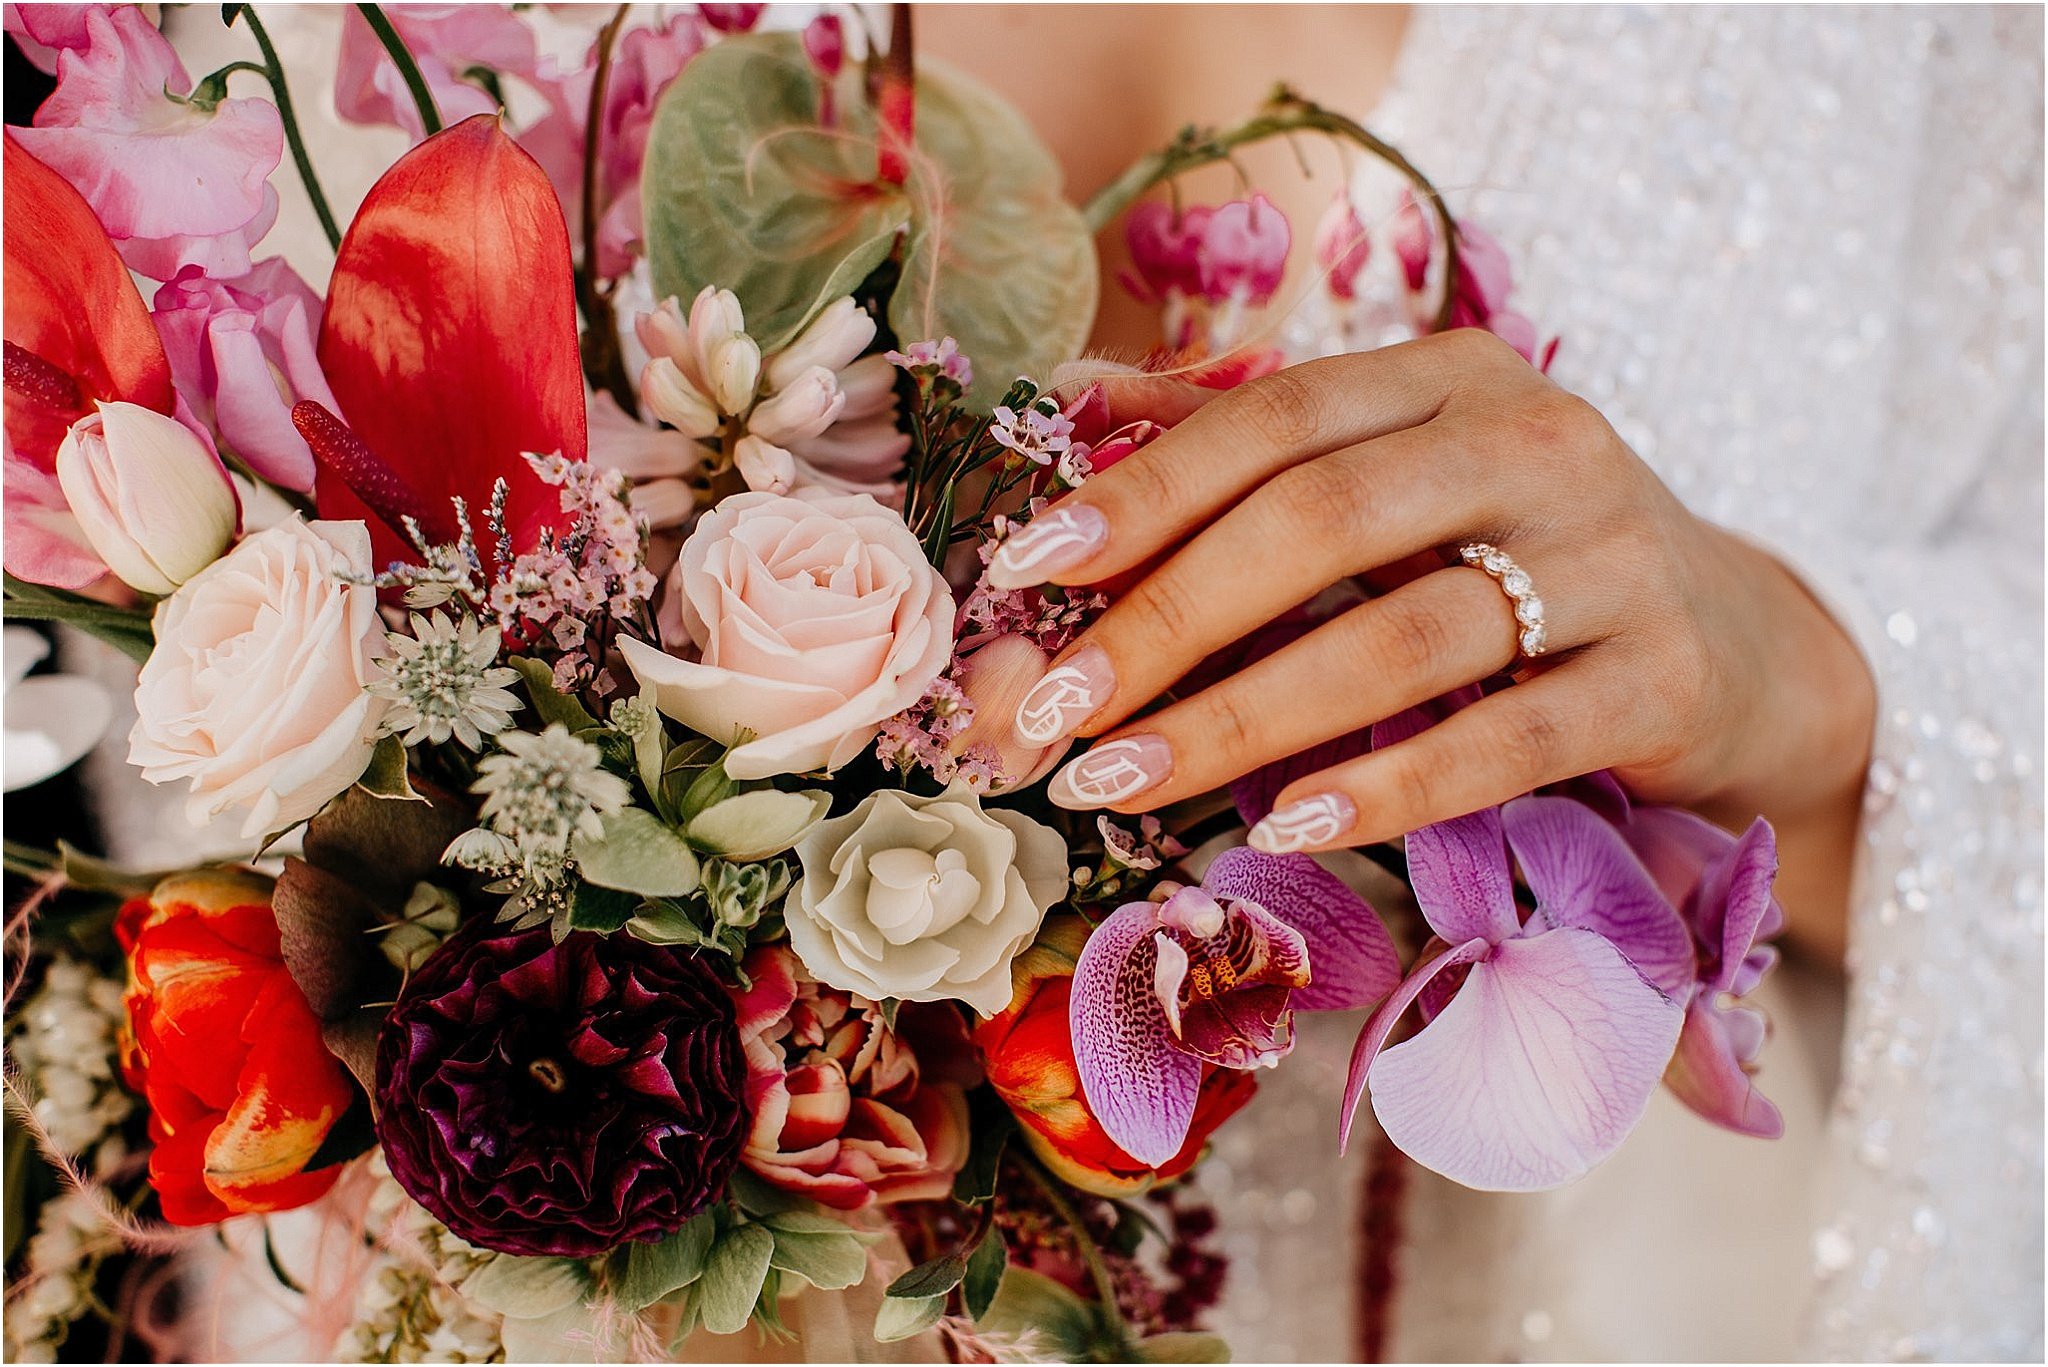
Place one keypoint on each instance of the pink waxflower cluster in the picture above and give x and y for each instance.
(930, 735)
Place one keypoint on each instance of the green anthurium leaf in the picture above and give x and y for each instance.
(933, 1278)
(1181, 1348)
(901, 1317)
(639, 852)
(732, 1278)
(756, 825)
(830, 1261)
(527, 1288)
(985, 1268)
(1003, 264)
(386, 776)
(550, 704)
(745, 191)
(644, 1273)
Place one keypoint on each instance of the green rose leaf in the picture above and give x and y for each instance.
(603, 910)
(934, 1278)
(757, 824)
(830, 1261)
(550, 704)
(527, 1288)
(733, 1275)
(985, 1268)
(900, 1318)
(644, 1273)
(639, 853)
(745, 191)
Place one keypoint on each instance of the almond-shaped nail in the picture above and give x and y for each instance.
(1309, 824)
(1068, 695)
(1055, 540)
(1114, 771)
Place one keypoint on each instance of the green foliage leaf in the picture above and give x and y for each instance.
(601, 909)
(644, 1273)
(1005, 265)
(1032, 1301)
(550, 704)
(933, 1278)
(638, 853)
(985, 1268)
(830, 1260)
(387, 777)
(755, 825)
(761, 1200)
(527, 1288)
(991, 1127)
(1181, 1348)
(128, 630)
(901, 1318)
(732, 1279)
(85, 872)
(746, 192)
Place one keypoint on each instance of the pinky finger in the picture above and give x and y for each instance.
(1554, 727)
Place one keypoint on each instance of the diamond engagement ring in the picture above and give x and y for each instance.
(1514, 581)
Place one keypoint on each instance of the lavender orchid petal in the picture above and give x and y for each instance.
(1459, 870)
(1734, 905)
(1707, 1072)
(1137, 1083)
(1677, 847)
(1351, 958)
(1537, 1070)
(1254, 793)
(1374, 1036)
(1584, 875)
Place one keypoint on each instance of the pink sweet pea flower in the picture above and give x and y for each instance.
(1244, 251)
(1538, 1064)
(173, 183)
(1214, 974)
(242, 354)
(445, 41)
(43, 31)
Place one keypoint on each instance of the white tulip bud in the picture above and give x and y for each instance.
(834, 338)
(154, 502)
(869, 385)
(733, 368)
(766, 467)
(715, 315)
(807, 407)
(670, 396)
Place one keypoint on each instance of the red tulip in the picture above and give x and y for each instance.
(450, 341)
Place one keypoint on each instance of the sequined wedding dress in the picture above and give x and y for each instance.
(1795, 256)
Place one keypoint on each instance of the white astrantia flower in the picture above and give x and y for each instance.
(923, 898)
(545, 789)
(443, 681)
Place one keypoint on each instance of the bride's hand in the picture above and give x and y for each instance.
(1681, 657)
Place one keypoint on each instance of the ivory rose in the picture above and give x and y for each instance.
(803, 619)
(255, 691)
(923, 898)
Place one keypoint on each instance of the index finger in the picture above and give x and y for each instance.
(1156, 498)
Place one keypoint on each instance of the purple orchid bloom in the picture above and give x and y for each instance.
(1544, 1057)
(1722, 886)
(1214, 974)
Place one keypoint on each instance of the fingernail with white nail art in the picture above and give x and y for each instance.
(1308, 824)
(1067, 696)
(1055, 540)
(1114, 771)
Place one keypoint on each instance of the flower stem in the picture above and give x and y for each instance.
(601, 356)
(1098, 1270)
(401, 57)
(1285, 112)
(273, 71)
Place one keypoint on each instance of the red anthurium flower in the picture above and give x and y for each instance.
(450, 339)
(76, 332)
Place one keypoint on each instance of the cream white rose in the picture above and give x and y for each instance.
(255, 691)
(806, 619)
(923, 898)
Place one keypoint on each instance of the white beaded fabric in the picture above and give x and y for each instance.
(1794, 255)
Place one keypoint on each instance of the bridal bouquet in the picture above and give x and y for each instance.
(579, 606)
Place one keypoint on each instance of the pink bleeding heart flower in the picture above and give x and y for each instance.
(1539, 1063)
(1412, 241)
(1343, 247)
(1166, 249)
(1722, 885)
(446, 41)
(242, 353)
(1244, 251)
(173, 182)
(1214, 974)
(732, 18)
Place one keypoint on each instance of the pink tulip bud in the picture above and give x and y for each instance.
(1244, 250)
(152, 499)
(805, 408)
(766, 467)
(1166, 247)
(1342, 247)
(834, 338)
(670, 396)
(996, 678)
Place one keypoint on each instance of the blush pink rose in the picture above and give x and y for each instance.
(804, 619)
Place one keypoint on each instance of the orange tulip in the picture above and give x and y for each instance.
(225, 1049)
(1029, 1054)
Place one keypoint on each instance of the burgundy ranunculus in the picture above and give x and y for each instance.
(545, 1098)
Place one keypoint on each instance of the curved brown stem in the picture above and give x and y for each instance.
(602, 360)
